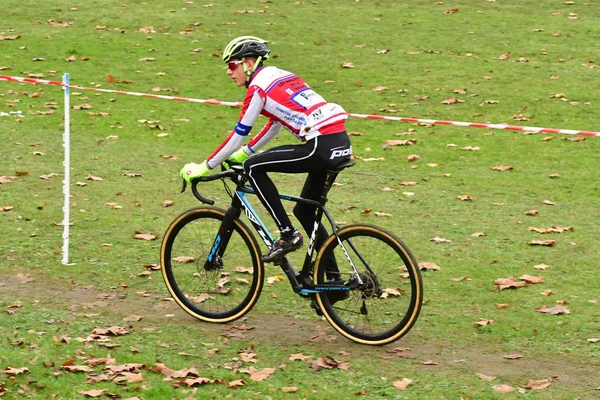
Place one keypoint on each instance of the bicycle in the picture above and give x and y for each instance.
(211, 264)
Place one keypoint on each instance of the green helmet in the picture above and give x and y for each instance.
(246, 47)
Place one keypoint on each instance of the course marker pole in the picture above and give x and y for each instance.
(67, 178)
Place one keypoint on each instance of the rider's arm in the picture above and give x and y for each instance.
(253, 105)
(268, 132)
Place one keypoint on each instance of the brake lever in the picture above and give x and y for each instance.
(183, 185)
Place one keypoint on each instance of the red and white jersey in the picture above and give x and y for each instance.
(288, 102)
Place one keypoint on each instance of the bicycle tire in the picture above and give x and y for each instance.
(386, 307)
(217, 295)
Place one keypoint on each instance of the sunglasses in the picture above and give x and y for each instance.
(232, 65)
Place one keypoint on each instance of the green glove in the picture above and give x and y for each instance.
(191, 171)
(239, 156)
(236, 158)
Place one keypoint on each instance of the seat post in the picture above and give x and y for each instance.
(329, 179)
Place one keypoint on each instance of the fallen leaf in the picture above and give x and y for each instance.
(484, 322)
(92, 392)
(402, 384)
(440, 240)
(532, 279)
(15, 371)
(428, 266)
(515, 356)
(549, 243)
(486, 377)
(260, 374)
(144, 236)
(91, 177)
(502, 168)
(466, 198)
(503, 388)
(508, 283)
(538, 385)
(556, 310)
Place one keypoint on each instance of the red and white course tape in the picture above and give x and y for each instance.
(366, 116)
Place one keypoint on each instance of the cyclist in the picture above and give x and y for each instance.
(288, 102)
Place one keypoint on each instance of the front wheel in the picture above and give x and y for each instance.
(386, 294)
(215, 275)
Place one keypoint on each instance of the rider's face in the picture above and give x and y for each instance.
(235, 69)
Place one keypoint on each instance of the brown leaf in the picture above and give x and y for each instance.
(289, 389)
(531, 212)
(503, 388)
(486, 377)
(381, 214)
(298, 356)
(168, 203)
(484, 322)
(113, 330)
(538, 385)
(553, 229)
(83, 107)
(184, 259)
(556, 310)
(440, 240)
(532, 279)
(548, 243)
(92, 392)
(504, 56)
(452, 101)
(466, 198)
(508, 283)
(91, 177)
(144, 236)
(429, 266)
(15, 371)
(236, 383)
(260, 374)
(502, 168)
(515, 356)
(396, 142)
(402, 384)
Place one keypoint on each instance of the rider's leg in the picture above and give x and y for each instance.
(288, 159)
(306, 214)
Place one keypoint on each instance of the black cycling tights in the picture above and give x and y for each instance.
(313, 157)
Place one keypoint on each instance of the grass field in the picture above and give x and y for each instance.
(474, 203)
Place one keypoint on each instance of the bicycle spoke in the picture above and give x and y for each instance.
(381, 306)
(218, 290)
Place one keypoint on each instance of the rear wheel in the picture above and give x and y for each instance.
(211, 282)
(387, 293)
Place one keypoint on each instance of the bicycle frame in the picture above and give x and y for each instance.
(240, 203)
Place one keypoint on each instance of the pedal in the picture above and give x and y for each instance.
(315, 306)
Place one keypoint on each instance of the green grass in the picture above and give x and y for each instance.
(458, 50)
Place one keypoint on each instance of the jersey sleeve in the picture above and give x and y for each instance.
(251, 108)
(268, 132)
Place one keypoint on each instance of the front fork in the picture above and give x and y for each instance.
(214, 259)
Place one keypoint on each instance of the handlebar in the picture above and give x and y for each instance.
(229, 173)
